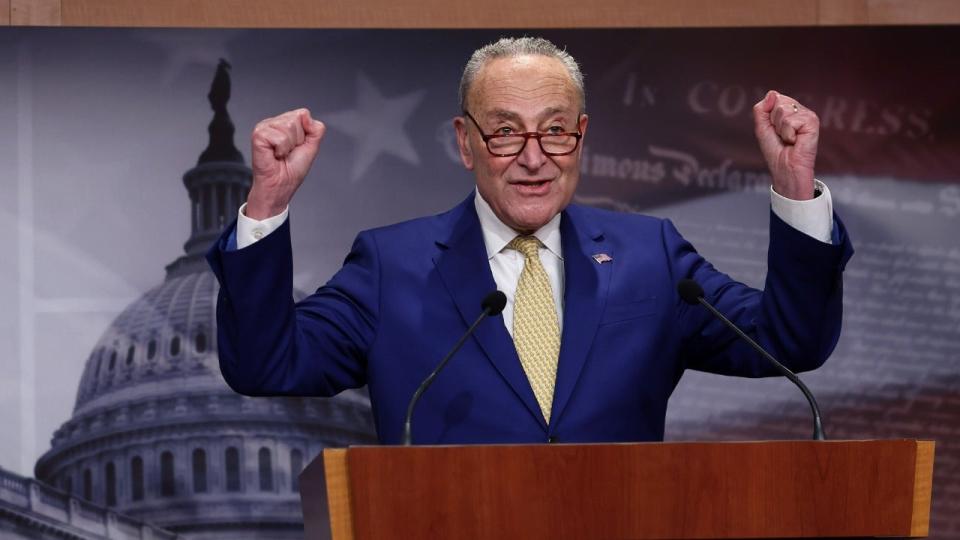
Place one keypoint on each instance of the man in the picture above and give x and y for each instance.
(594, 337)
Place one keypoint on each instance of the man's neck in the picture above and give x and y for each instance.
(497, 234)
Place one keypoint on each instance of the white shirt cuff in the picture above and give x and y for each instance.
(813, 217)
(250, 230)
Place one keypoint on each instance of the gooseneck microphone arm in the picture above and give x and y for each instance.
(692, 293)
(492, 305)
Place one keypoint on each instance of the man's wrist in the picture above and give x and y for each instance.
(250, 230)
(813, 217)
(261, 212)
(803, 194)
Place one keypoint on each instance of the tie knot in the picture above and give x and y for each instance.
(528, 245)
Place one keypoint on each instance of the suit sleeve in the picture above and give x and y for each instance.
(269, 345)
(797, 317)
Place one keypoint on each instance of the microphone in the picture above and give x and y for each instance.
(692, 293)
(492, 305)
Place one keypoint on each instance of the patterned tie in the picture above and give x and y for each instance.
(536, 332)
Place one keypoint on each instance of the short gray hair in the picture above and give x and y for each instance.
(511, 47)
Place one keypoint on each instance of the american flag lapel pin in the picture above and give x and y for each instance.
(602, 258)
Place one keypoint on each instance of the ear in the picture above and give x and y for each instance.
(463, 142)
(583, 125)
(584, 119)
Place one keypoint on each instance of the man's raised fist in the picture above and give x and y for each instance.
(283, 148)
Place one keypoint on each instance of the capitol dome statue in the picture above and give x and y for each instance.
(156, 433)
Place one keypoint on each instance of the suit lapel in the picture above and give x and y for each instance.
(465, 271)
(587, 283)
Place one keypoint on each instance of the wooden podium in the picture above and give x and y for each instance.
(779, 489)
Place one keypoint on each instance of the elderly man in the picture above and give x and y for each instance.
(594, 337)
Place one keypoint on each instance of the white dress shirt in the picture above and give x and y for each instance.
(813, 217)
(507, 264)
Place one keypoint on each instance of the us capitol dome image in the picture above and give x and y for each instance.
(156, 434)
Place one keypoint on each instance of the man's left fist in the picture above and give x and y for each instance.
(788, 134)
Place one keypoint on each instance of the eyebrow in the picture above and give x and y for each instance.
(504, 114)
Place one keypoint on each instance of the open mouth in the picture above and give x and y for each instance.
(530, 183)
(532, 188)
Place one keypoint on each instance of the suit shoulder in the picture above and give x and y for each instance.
(617, 220)
(412, 229)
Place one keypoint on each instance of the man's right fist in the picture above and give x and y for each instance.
(284, 147)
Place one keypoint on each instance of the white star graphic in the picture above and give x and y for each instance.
(376, 124)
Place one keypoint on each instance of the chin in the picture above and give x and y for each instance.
(530, 222)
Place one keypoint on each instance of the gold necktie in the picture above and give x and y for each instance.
(536, 332)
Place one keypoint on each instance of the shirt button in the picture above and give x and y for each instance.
(257, 234)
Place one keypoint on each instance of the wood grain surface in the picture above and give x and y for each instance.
(35, 12)
(471, 14)
(922, 489)
(774, 489)
(338, 493)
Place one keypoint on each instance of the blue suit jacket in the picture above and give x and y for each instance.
(407, 292)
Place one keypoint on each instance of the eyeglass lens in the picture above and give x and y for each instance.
(550, 144)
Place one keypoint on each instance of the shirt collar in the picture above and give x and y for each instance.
(496, 234)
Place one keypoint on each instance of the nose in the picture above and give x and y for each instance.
(532, 156)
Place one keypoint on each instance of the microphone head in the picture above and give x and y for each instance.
(494, 303)
(690, 291)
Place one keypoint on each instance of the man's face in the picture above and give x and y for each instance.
(517, 95)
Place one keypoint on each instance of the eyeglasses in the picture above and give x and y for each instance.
(552, 144)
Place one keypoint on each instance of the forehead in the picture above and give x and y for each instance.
(525, 85)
